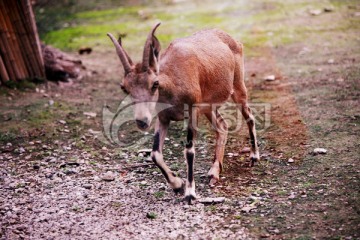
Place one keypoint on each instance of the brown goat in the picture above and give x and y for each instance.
(207, 67)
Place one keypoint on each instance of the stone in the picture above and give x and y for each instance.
(146, 152)
(210, 200)
(245, 150)
(319, 151)
(315, 12)
(87, 186)
(90, 114)
(270, 78)
(291, 160)
(108, 176)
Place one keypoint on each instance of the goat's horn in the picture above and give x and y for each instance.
(146, 54)
(121, 53)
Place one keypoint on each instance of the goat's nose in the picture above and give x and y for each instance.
(142, 124)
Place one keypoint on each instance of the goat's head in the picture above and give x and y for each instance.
(140, 79)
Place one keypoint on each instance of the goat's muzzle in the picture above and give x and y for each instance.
(142, 124)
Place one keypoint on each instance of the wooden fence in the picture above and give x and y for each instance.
(20, 49)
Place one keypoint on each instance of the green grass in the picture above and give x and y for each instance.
(159, 194)
(8, 136)
(89, 28)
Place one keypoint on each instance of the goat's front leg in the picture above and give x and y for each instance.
(190, 157)
(176, 183)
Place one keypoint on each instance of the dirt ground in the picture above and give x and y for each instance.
(60, 181)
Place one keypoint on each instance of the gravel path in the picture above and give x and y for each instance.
(58, 198)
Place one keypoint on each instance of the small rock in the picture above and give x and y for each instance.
(141, 155)
(87, 186)
(108, 176)
(51, 102)
(291, 160)
(292, 195)
(245, 150)
(146, 152)
(62, 121)
(104, 148)
(315, 12)
(247, 208)
(90, 114)
(319, 151)
(209, 200)
(331, 61)
(270, 78)
(36, 166)
(329, 9)
(21, 150)
(70, 171)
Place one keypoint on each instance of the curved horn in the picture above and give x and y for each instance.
(146, 54)
(127, 56)
(121, 53)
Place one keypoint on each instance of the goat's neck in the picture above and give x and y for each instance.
(167, 89)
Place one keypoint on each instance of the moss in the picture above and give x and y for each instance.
(8, 136)
(23, 84)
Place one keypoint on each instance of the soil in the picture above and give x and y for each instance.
(60, 181)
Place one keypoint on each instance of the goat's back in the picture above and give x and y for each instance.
(203, 65)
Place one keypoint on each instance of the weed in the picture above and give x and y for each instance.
(151, 215)
(6, 137)
(159, 194)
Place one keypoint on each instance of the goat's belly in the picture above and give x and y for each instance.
(217, 93)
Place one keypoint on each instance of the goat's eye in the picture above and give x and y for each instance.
(155, 85)
(124, 89)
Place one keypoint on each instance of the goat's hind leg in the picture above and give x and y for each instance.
(221, 129)
(240, 97)
(250, 120)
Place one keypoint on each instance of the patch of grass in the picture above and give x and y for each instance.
(159, 194)
(211, 208)
(8, 136)
(116, 204)
(76, 208)
(151, 215)
(108, 14)
(237, 217)
(23, 84)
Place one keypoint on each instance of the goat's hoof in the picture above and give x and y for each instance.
(213, 180)
(253, 160)
(189, 198)
(180, 190)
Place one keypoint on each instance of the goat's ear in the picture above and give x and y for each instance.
(155, 54)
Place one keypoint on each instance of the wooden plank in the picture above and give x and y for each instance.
(33, 40)
(3, 73)
(36, 35)
(5, 48)
(16, 61)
